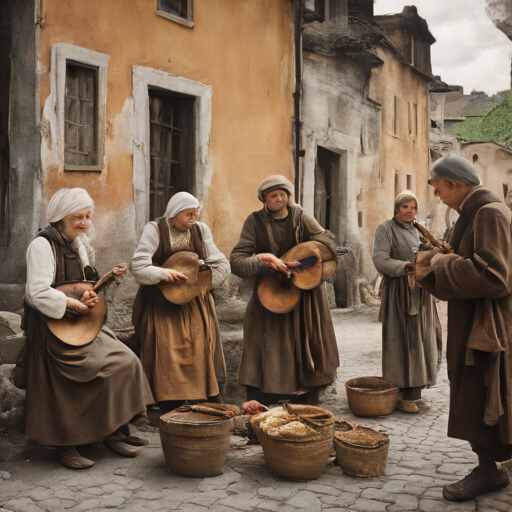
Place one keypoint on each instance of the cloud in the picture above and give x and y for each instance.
(470, 51)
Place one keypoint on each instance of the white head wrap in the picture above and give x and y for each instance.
(179, 202)
(405, 197)
(66, 201)
(274, 183)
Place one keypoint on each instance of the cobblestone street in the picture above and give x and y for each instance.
(421, 460)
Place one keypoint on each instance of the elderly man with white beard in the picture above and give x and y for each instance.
(76, 395)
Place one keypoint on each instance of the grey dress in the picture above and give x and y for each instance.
(411, 331)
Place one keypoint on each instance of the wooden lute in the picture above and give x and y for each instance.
(280, 294)
(80, 330)
(198, 273)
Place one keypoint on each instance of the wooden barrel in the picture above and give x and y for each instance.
(195, 445)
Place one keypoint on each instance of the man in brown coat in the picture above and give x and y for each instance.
(476, 280)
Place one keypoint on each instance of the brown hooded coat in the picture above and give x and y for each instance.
(476, 280)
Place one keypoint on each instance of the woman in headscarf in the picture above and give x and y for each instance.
(181, 349)
(290, 355)
(75, 394)
(411, 332)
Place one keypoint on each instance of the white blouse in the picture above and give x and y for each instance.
(41, 270)
(146, 273)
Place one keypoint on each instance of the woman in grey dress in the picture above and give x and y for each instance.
(411, 332)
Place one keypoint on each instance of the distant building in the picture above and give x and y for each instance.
(366, 119)
(493, 162)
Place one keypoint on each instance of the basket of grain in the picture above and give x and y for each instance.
(361, 451)
(296, 440)
(371, 396)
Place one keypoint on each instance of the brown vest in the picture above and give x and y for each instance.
(163, 252)
(69, 267)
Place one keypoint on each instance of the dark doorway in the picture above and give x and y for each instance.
(331, 211)
(325, 166)
(172, 148)
(5, 80)
(330, 206)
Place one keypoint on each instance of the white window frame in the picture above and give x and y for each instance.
(187, 22)
(143, 79)
(61, 53)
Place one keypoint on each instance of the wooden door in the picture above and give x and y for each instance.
(171, 148)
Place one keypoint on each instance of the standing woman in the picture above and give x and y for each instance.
(181, 349)
(290, 355)
(411, 331)
(75, 394)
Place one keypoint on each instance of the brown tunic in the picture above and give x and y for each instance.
(477, 281)
(181, 349)
(283, 353)
(77, 395)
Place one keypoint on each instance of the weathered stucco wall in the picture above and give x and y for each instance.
(492, 163)
(406, 152)
(243, 49)
(24, 176)
(338, 117)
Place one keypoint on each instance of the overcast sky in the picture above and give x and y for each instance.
(469, 50)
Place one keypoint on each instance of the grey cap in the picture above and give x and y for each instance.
(455, 168)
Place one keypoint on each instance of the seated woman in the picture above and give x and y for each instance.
(75, 394)
(181, 349)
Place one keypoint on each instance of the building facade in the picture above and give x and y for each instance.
(366, 117)
(134, 102)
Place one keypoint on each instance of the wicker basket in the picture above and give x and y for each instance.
(297, 458)
(360, 460)
(371, 396)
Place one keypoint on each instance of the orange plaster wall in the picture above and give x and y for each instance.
(242, 48)
(403, 153)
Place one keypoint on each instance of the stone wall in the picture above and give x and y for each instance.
(20, 217)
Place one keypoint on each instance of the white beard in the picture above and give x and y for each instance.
(82, 244)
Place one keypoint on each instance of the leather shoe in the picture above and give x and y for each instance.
(122, 448)
(70, 458)
(479, 481)
(134, 440)
(407, 406)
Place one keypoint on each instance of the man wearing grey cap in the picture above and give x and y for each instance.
(476, 280)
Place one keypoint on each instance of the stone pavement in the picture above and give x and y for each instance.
(421, 460)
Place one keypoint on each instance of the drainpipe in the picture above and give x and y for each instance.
(297, 27)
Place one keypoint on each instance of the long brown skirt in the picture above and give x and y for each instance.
(79, 395)
(284, 353)
(181, 349)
